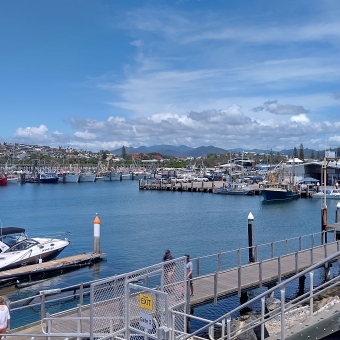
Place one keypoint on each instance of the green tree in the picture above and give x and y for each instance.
(295, 153)
(301, 153)
(212, 155)
(124, 154)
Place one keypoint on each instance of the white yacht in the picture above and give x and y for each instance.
(17, 249)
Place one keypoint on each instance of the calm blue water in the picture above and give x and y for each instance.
(137, 226)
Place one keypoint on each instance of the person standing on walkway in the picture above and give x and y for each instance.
(169, 269)
(189, 274)
(4, 316)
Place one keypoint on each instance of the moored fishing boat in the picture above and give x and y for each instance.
(235, 189)
(279, 192)
(126, 175)
(103, 176)
(68, 177)
(87, 177)
(49, 177)
(3, 179)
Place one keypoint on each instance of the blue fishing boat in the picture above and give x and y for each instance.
(279, 192)
(49, 177)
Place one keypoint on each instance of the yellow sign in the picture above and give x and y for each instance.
(145, 301)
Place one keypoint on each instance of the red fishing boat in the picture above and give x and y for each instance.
(3, 179)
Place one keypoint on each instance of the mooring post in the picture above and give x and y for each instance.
(324, 223)
(337, 219)
(96, 235)
(251, 237)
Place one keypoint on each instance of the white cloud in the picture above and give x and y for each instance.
(38, 133)
(85, 135)
(57, 133)
(301, 118)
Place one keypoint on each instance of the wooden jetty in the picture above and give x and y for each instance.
(156, 184)
(57, 265)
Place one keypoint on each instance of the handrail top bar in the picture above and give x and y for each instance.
(263, 244)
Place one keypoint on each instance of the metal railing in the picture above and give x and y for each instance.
(223, 323)
(218, 262)
(54, 300)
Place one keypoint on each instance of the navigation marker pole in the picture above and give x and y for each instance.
(251, 238)
(96, 235)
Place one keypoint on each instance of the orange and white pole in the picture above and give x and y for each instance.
(96, 235)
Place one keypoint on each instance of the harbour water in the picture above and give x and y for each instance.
(137, 226)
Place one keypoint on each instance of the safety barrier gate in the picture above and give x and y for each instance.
(139, 303)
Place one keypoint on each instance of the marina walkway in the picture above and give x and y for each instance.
(210, 287)
(240, 279)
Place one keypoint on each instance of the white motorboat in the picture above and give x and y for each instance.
(87, 177)
(330, 194)
(17, 249)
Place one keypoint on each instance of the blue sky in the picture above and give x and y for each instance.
(105, 73)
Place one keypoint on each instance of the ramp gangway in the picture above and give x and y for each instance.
(284, 259)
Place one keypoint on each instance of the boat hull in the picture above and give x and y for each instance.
(68, 178)
(249, 192)
(34, 259)
(51, 180)
(87, 177)
(279, 195)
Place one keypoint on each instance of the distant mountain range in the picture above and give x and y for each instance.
(186, 151)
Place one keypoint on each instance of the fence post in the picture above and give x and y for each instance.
(311, 276)
(263, 304)
(300, 243)
(283, 313)
(79, 322)
(228, 327)
(260, 273)
(81, 293)
(287, 246)
(238, 257)
(279, 268)
(215, 288)
(272, 249)
(42, 310)
(198, 267)
(296, 262)
(239, 281)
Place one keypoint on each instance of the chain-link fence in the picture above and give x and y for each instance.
(139, 302)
